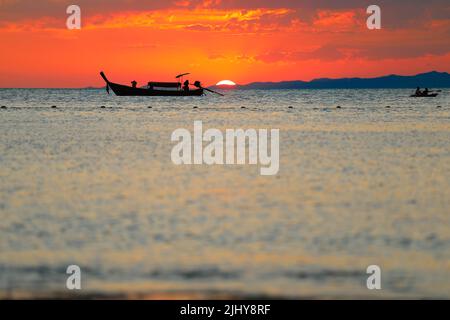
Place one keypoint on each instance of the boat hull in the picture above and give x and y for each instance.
(121, 90)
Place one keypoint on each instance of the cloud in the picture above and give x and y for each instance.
(338, 21)
(199, 27)
(399, 13)
(242, 21)
(323, 53)
(401, 51)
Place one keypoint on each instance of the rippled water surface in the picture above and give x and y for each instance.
(92, 186)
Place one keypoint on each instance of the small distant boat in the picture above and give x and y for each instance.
(430, 95)
(153, 89)
(425, 94)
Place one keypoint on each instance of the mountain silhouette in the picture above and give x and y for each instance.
(432, 79)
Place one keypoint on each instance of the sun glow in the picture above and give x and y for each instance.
(225, 83)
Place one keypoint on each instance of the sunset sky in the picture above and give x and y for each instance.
(240, 40)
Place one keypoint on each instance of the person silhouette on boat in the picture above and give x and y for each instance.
(186, 85)
(418, 92)
(150, 86)
(134, 83)
(426, 91)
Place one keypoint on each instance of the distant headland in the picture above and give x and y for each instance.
(431, 79)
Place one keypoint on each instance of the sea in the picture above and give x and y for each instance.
(87, 179)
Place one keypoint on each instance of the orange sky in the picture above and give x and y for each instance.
(243, 41)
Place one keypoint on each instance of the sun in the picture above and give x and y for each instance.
(225, 83)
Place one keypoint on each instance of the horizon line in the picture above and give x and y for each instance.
(255, 82)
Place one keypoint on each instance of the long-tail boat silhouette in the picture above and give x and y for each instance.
(157, 88)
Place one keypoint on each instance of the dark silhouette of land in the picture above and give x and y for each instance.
(432, 79)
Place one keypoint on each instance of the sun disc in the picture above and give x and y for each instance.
(225, 83)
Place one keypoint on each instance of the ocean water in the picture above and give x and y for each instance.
(357, 186)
